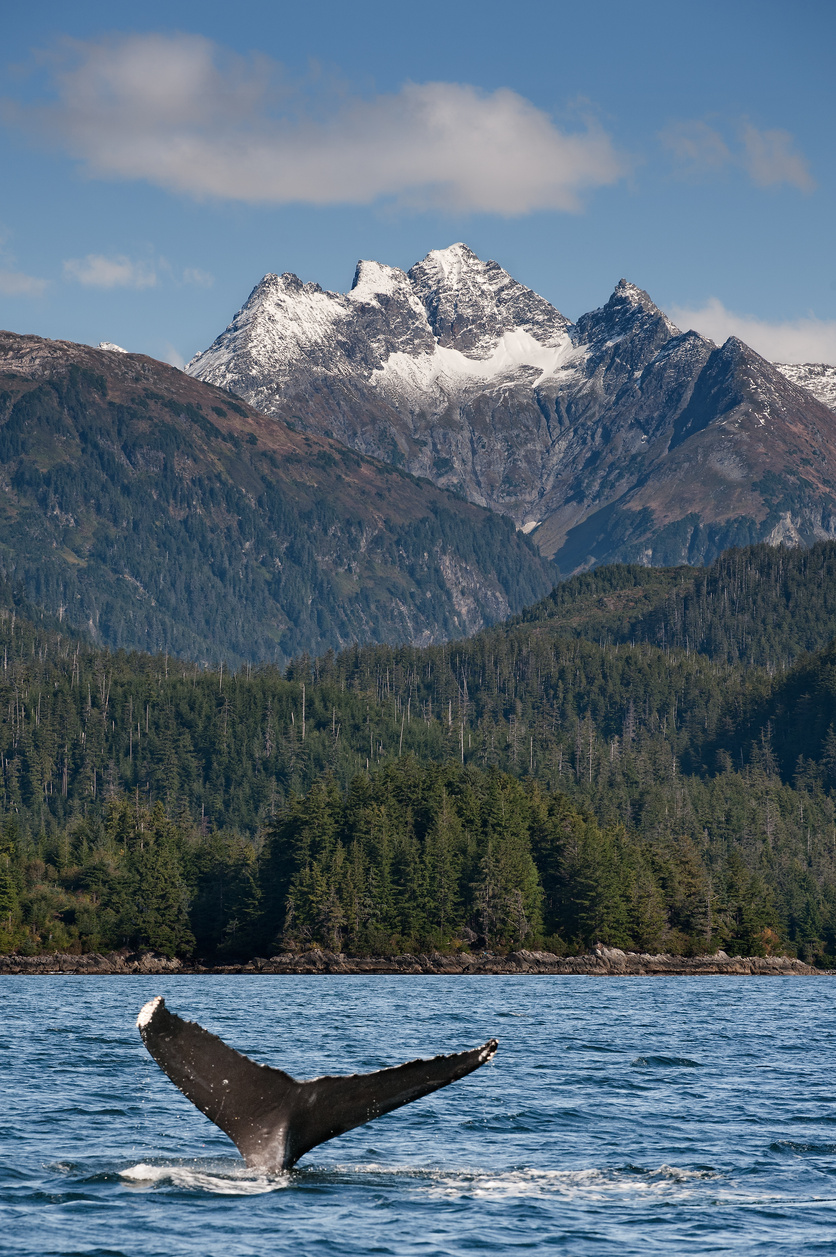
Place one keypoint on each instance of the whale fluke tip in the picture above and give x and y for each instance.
(147, 1011)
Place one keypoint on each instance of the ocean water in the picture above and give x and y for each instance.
(623, 1116)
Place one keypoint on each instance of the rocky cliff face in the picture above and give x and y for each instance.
(617, 437)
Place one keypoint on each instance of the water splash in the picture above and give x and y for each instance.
(232, 1180)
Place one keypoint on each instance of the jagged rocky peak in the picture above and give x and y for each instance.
(471, 303)
(388, 312)
(745, 360)
(625, 335)
(628, 309)
(373, 280)
(624, 291)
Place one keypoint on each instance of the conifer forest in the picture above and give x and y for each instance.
(646, 758)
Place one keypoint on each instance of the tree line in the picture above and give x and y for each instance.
(706, 771)
(410, 858)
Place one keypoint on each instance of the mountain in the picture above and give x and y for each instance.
(819, 378)
(157, 512)
(617, 437)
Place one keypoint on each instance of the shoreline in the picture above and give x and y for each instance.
(600, 962)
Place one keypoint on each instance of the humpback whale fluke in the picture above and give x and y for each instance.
(271, 1118)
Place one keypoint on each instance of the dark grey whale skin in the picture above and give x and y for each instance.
(271, 1118)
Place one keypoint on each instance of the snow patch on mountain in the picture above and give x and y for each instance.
(451, 370)
(819, 378)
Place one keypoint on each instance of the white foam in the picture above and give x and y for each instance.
(232, 1182)
(577, 1184)
(589, 1184)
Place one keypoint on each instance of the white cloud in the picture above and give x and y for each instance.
(16, 284)
(796, 340)
(200, 279)
(769, 158)
(182, 113)
(97, 271)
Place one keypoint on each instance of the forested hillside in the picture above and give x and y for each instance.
(761, 605)
(283, 800)
(154, 512)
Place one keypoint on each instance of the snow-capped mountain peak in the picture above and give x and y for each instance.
(600, 434)
(391, 327)
(471, 303)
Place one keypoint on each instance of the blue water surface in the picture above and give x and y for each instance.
(621, 1115)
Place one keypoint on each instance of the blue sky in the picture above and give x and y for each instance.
(159, 159)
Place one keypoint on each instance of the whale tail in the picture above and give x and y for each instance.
(272, 1118)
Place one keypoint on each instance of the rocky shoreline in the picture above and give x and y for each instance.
(600, 962)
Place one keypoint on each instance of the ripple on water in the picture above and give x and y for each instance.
(664, 1062)
(620, 1119)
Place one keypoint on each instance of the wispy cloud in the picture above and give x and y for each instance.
(200, 279)
(173, 356)
(187, 115)
(769, 158)
(16, 284)
(697, 148)
(98, 271)
(795, 340)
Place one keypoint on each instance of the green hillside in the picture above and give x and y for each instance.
(154, 512)
(759, 605)
(373, 798)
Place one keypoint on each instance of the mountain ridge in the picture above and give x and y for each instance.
(459, 373)
(160, 513)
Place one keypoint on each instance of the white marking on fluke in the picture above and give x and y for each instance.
(274, 1119)
(147, 1011)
